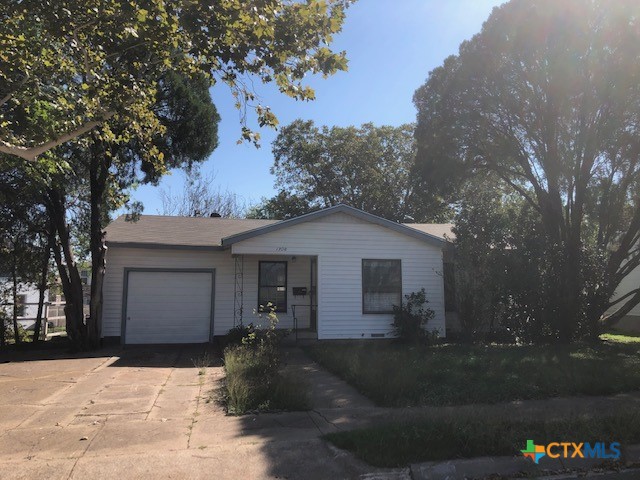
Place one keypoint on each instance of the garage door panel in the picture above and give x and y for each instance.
(168, 307)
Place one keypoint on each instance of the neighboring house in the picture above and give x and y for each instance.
(631, 321)
(332, 274)
(28, 296)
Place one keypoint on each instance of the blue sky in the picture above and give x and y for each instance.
(392, 45)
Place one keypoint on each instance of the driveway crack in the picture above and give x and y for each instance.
(314, 422)
(321, 415)
(86, 449)
(195, 414)
(155, 401)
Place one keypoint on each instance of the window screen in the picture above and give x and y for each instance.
(381, 285)
(272, 285)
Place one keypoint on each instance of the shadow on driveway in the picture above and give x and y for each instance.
(165, 356)
(152, 356)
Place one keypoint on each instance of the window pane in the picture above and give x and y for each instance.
(272, 274)
(281, 300)
(273, 285)
(381, 285)
(267, 294)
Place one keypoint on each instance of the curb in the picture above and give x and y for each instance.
(507, 466)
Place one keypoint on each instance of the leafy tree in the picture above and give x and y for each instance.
(281, 207)
(368, 168)
(501, 270)
(482, 242)
(546, 98)
(68, 67)
(103, 171)
(24, 242)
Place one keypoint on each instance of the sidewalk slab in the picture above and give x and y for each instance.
(327, 390)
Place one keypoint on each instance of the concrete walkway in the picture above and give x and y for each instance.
(326, 390)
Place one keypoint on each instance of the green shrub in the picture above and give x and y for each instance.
(238, 333)
(9, 335)
(411, 318)
(253, 379)
(256, 334)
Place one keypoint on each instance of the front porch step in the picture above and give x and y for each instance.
(306, 336)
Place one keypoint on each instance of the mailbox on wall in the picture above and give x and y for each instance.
(299, 291)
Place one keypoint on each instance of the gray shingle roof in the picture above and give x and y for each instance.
(188, 231)
(158, 230)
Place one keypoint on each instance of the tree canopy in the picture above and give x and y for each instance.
(546, 98)
(367, 167)
(67, 67)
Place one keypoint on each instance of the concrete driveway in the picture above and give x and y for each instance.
(148, 413)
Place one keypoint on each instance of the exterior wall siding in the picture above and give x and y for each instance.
(340, 246)
(120, 258)
(631, 321)
(629, 283)
(32, 295)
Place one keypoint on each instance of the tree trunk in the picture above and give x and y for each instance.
(98, 173)
(94, 325)
(3, 324)
(69, 274)
(42, 288)
(569, 301)
(98, 251)
(14, 292)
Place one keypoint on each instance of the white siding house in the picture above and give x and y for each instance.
(28, 296)
(183, 280)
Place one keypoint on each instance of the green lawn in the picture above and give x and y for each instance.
(449, 438)
(397, 375)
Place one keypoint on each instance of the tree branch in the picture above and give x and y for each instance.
(31, 153)
(9, 95)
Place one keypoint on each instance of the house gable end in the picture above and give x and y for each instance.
(324, 215)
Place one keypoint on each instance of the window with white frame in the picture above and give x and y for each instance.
(381, 285)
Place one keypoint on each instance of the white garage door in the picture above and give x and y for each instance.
(168, 307)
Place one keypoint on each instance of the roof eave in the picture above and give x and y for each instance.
(163, 246)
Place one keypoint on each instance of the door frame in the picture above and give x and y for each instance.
(125, 293)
